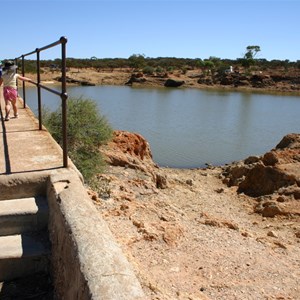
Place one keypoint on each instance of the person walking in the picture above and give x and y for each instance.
(9, 79)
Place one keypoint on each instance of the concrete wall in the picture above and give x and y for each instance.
(87, 263)
(15, 186)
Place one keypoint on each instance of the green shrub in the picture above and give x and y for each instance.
(148, 70)
(86, 131)
(170, 69)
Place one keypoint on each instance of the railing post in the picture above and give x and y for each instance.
(23, 82)
(64, 97)
(38, 87)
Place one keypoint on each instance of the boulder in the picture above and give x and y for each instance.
(270, 158)
(76, 81)
(261, 81)
(205, 80)
(173, 83)
(136, 77)
(268, 209)
(235, 173)
(275, 175)
(251, 160)
(264, 180)
(291, 141)
(161, 181)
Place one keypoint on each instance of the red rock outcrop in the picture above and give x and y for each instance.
(128, 149)
(131, 150)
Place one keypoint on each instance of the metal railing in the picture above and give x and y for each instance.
(63, 93)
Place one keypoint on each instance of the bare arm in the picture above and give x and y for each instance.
(24, 78)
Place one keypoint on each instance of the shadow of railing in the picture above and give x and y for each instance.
(5, 144)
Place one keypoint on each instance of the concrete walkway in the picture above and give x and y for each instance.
(23, 147)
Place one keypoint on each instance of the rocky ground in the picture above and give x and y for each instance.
(205, 233)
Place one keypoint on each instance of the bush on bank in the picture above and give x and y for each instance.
(87, 129)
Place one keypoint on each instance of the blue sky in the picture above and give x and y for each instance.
(155, 28)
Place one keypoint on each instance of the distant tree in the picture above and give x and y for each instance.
(29, 66)
(216, 60)
(251, 52)
(208, 66)
(248, 60)
(198, 63)
(286, 64)
(137, 61)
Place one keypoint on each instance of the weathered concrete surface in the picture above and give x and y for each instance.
(24, 148)
(87, 261)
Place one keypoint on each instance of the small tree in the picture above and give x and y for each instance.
(87, 130)
(251, 52)
(248, 60)
(137, 61)
(208, 66)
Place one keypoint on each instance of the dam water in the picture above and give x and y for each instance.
(187, 128)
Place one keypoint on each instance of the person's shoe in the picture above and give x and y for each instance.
(16, 115)
(7, 118)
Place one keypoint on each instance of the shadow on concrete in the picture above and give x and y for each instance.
(32, 171)
(38, 286)
(20, 131)
(5, 145)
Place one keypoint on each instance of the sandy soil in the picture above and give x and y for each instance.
(199, 239)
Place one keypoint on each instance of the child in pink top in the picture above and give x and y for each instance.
(10, 93)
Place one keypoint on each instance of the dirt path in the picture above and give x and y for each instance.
(199, 239)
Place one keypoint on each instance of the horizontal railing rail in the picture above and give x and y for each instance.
(62, 94)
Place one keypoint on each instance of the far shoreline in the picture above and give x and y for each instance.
(92, 77)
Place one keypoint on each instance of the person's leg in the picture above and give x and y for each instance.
(7, 109)
(15, 108)
(10, 97)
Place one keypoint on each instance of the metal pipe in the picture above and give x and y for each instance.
(64, 97)
(23, 83)
(39, 88)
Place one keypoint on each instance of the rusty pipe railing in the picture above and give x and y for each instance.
(63, 93)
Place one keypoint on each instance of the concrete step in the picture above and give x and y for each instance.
(23, 215)
(22, 255)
